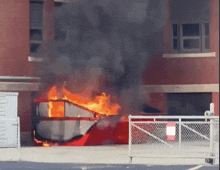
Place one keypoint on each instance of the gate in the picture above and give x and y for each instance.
(9, 122)
(191, 137)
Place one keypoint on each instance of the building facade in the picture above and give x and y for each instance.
(182, 80)
(188, 69)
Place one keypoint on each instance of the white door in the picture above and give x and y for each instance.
(9, 121)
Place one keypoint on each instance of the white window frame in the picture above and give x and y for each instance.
(67, 1)
(31, 58)
(180, 38)
(37, 41)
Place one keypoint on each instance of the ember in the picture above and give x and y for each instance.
(43, 143)
(101, 104)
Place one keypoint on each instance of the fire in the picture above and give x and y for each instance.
(56, 109)
(44, 143)
(101, 104)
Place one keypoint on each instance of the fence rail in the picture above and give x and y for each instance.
(188, 137)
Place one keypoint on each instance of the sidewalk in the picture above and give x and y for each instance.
(114, 154)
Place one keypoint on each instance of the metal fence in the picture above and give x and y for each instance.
(186, 136)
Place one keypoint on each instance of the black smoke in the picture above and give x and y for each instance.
(104, 45)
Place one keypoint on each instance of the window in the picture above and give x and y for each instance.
(36, 25)
(190, 19)
(188, 103)
(192, 37)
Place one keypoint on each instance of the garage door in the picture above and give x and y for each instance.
(9, 121)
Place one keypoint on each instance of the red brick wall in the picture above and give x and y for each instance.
(48, 31)
(25, 111)
(14, 40)
(48, 20)
(214, 35)
(214, 45)
(163, 71)
(186, 70)
(167, 39)
(157, 101)
(215, 100)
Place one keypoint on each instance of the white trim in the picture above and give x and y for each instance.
(18, 78)
(18, 86)
(9, 93)
(35, 59)
(183, 55)
(183, 88)
(38, 0)
(169, 117)
(67, 1)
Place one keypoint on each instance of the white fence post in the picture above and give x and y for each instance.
(180, 134)
(193, 132)
(129, 138)
(211, 131)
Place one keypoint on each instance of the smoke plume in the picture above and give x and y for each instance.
(104, 46)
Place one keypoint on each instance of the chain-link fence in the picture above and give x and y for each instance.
(174, 136)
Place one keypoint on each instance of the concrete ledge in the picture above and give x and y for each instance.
(35, 59)
(19, 86)
(67, 1)
(19, 78)
(181, 88)
(189, 55)
(9, 154)
(88, 155)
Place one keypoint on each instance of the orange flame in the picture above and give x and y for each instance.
(101, 104)
(56, 109)
(44, 143)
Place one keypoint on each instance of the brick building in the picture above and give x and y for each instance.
(183, 80)
(188, 70)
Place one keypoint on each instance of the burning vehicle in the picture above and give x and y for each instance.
(77, 121)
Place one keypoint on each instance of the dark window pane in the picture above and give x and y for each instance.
(175, 46)
(175, 30)
(190, 43)
(34, 47)
(58, 4)
(190, 29)
(36, 34)
(207, 43)
(207, 29)
(36, 15)
(188, 103)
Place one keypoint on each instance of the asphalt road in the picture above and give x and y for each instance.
(46, 166)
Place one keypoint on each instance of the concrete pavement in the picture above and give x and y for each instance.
(113, 154)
